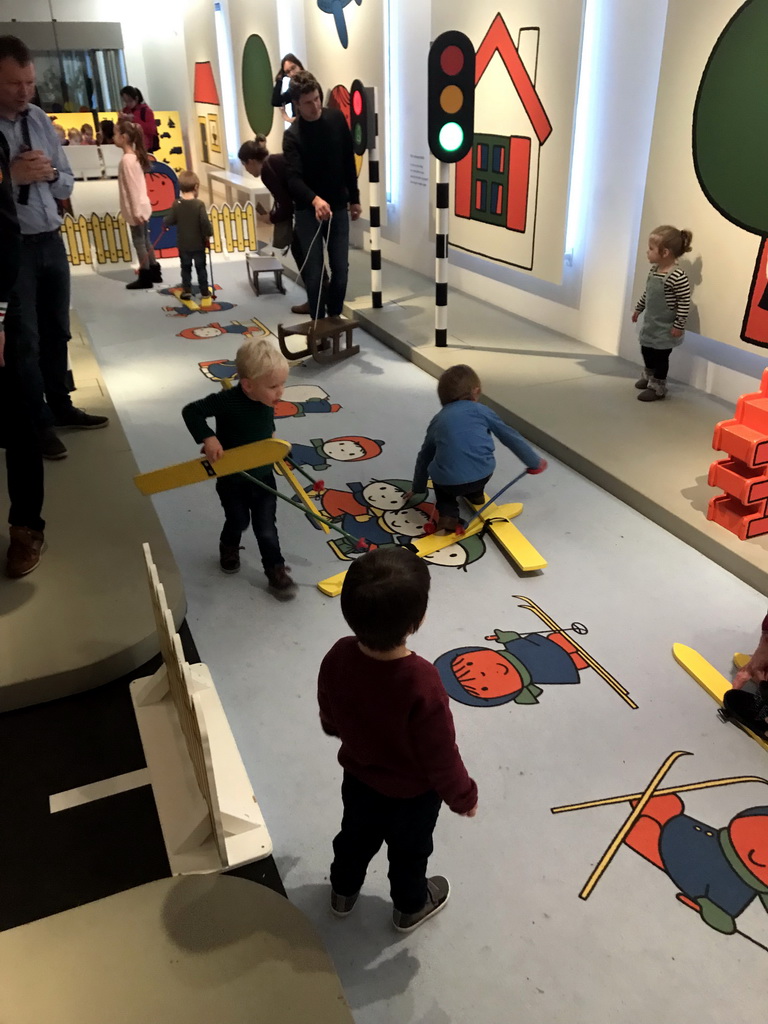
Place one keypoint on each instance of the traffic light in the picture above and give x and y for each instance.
(451, 97)
(362, 133)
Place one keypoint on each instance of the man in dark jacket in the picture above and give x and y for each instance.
(320, 165)
(18, 431)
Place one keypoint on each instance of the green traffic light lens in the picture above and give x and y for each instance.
(451, 137)
(358, 134)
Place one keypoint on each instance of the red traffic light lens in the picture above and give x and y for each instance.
(357, 103)
(451, 60)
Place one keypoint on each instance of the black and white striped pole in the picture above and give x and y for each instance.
(374, 180)
(450, 130)
(365, 137)
(442, 203)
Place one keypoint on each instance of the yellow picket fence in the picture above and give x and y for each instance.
(106, 238)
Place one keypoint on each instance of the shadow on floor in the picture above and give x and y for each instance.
(360, 946)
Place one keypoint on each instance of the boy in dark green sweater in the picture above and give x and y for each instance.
(244, 414)
(193, 229)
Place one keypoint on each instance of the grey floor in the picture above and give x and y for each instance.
(516, 943)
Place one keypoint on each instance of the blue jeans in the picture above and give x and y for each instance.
(39, 358)
(243, 503)
(336, 232)
(187, 259)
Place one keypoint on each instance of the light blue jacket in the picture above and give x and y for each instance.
(458, 448)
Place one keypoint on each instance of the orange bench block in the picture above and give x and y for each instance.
(744, 483)
(746, 521)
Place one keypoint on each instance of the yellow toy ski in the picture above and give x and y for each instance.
(709, 679)
(234, 460)
(205, 300)
(424, 546)
(509, 538)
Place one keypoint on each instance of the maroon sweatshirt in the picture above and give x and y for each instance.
(395, 726)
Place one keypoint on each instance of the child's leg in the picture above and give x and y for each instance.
(202, 272)
(185, 258)
(409, 846)
(661, 368)
(234, 500)
(263, 507)
(649, 358)
(360, 838)
(150, 248)
(475, 492)
(446, 500)
(139, 238)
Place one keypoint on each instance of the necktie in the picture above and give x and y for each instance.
(23, 199)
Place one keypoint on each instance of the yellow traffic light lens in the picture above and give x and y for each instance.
(451, 137)
(451, 99)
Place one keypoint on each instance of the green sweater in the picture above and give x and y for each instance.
(238, 419)
(193, 226)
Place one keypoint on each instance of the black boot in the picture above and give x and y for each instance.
(144, 280)
(156, 272)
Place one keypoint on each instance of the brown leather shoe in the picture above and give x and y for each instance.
(303, 309)
(280, 578)
(24, 551)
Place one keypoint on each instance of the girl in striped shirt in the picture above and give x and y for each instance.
(666, 302)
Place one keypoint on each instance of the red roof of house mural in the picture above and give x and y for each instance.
(498, 40)
(205, 90)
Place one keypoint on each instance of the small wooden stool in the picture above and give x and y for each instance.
(323, 342)
(257, 265)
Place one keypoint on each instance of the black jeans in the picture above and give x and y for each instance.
(336, 232)
(446, 495)
(405, 825)
(656, 361)
(39, 356)
(243, 503)
(20, 437)
(187, 259)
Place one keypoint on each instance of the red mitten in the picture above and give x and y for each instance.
(540, 468)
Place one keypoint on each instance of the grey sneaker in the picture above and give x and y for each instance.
(438, 891)
(656, 390)
(342, 905)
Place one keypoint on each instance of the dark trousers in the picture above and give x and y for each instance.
(39, 353)
(656, 361)
(406, 826)
(446, 496)
(336, 233)
(243, 503)
(187, 259)
(20, 438)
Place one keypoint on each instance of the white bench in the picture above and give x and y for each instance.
(208, 813)
(239, 184)
(111, 155)
(85, 161)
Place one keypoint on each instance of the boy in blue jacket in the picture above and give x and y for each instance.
(458, 451)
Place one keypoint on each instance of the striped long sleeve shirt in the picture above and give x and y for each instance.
(677, 291)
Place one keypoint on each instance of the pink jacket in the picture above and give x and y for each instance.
(134, 201)
(144, 117)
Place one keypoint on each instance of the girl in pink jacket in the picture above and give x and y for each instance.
(134, 200)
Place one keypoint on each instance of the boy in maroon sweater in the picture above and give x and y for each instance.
(398, 745)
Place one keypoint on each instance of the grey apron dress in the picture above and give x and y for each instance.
(658, 318)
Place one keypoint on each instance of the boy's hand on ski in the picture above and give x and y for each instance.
(212, 449)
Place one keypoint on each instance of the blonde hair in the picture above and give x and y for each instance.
(135, 136)
(457, 382)
(188, 181)
(678, 242)
(257, 357)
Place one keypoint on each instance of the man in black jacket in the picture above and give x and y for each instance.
(18, 430)
(321, 176)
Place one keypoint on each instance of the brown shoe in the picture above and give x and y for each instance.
(24, 552)
(303, 309)
(447, 523)
(280, 578)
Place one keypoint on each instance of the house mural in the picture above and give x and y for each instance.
(207, 108)
(497, 183)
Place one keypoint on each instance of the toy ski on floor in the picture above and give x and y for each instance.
(526, 662)
(716, 685)
(205, 303)
(718, 872)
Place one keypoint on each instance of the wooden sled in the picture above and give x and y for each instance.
(257, 265)
(323, 342)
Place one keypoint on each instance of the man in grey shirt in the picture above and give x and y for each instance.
(41, 174)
